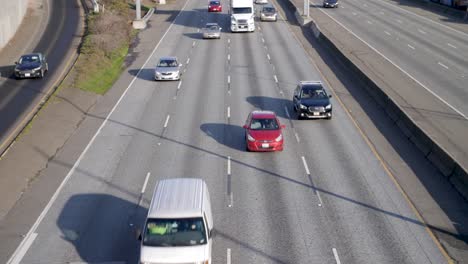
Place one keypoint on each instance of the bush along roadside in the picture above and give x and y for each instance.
(104, 47)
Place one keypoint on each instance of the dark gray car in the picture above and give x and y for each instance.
(310, 100)
(330, 3)
(31, 66)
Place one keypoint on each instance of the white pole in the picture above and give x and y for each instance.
(138, 9)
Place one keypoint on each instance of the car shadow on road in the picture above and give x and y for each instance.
(194, 35)
(229, 135)
(7, 71)
(144, 74)
(276, 105)
(107, 222)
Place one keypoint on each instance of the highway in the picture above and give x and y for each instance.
(434, 55)
(325, 199)
(18, 98)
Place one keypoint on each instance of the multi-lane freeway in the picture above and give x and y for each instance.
(326, 198)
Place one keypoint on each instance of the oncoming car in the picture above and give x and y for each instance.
(31, 66)
(263, 132)
(211, 30)
(310, 100)
(168, 68)
(215, 6)
(268, 13)
(330, 3)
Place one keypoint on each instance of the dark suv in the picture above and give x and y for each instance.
(31, 65)
(330, 3)
(311, 100)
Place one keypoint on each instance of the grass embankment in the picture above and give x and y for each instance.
(105, 47)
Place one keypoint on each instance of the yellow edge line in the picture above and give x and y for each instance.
(377, 155)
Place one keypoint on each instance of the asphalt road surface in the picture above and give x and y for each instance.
(325, 199)
(433, 54)
(19, 97)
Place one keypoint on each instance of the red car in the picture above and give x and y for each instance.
(215, 6)
(263, 132)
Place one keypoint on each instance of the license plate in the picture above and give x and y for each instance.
(316, 113)
(265, 145)
(27, 74)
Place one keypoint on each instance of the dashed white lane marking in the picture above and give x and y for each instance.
(287, 112)
(297, 137)
(178, 85)
(382, 13)
(354, 13)
(305, 165)
(443, 65)
(268, 56)
(229, 165)
(369, 22)
(188, 61)
(228, 256)
(337, 258)
(422, 31)
(450, 45)
(411, 47)
(229, 56)
(167, 121)
(276, 78)
(263, 40)
(193, 44)
(19, 256)
(229, 112)
(229, 40)
(146, 182)
(399, 21)
(388, 33)
(229, 79)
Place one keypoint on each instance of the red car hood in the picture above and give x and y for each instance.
(265, 134)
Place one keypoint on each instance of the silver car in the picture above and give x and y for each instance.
(168, 68)
(211, 30)
(268, 13)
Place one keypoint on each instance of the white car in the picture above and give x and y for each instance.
(168, 68)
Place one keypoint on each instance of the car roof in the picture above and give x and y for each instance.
(168, 58)
(263, 114)
(311, 84)
(212, 24)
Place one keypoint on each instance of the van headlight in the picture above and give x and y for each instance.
(302, 106)
(279, 138)
(329, 106)
(250, 138)
(233, 20)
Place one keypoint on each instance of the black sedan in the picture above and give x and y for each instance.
(330, 3)
(31, 66)
(312, 101)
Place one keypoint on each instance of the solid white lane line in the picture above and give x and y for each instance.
(411, 47)
(188, 61)
(19, 256)
(398, 67)
(297, 137)
(268, 56)
(229, 79)
(443, 65)
(305, 165)
(422, 31)
(193, 44)
(229, 165)
(287, 112)
(143, 189)
(78, 161)
(228, 256)
(337, 258)
(178, 85)
(167, 121)
(450, 45)
(388, 33)
(229, 112)
(276, 78)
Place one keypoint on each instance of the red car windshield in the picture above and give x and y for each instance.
(215, 3)
(264, 124)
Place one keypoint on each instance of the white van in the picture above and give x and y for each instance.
(242, 16)
(179, 225)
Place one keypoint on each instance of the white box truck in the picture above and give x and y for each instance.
(179, 225)
(242, 16)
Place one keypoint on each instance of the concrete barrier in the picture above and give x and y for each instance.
(426, 143)
(11, 16)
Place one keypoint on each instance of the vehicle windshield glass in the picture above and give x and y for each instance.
(167, 63)
(212, 27)
(264, 124)
(269, 9)
(28, 59)
(313, 92)
(331, 1)
(214, 3)
(174, 232)
(242, 10)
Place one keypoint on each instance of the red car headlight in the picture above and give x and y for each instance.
(279, 138)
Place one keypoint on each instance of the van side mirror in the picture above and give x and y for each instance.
(138, 234)
(329, 96)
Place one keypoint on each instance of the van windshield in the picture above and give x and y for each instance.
(174, 232)
(242, 10)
